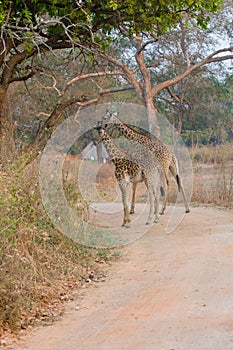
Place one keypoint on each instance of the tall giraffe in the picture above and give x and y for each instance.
(157, 148)
(127, 169)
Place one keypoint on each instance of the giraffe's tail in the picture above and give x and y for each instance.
(175, 171)
(178, 182)
(162, 191)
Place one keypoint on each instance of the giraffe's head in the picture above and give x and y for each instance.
(100, 128)
(110, 118)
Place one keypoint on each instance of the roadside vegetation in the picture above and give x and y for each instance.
(39, 267)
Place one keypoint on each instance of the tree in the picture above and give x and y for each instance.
(148, 54)
(29, 29)
(201, 109)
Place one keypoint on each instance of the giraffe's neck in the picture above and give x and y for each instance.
(113, 150)
(129, 133)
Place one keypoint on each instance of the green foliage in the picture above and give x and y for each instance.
(87, 16)
(207, 119)
(148, 15)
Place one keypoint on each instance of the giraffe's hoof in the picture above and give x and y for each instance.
(161, 213)
(131, 211)
(148, 222)
(187, 211)
(126, 225)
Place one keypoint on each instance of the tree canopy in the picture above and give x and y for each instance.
(31, 28)
(79, 21)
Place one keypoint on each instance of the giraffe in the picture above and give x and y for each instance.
(127, 169)
(158, 150)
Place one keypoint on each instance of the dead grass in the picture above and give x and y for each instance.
(39, 267)
(213, 185)
(213, 154)
(213, 175)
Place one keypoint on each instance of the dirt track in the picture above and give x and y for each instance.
(167, 292)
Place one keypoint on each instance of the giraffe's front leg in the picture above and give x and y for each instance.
(123, 187)
(126, 220)
(156, 203)
(151, 210)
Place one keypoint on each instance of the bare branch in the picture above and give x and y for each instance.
(189, 70)
(43, 114)
(128, 73)
(92, 75)
(116, 89)
(146, 73)
(143, 46)
(54, 85)
(9, 68)
(180, 99)
(23, 78)
(226, 49)
(183, 44)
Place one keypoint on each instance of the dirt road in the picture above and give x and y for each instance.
(167, 292)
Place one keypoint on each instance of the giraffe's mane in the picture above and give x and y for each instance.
(135, 131)
(114, 143)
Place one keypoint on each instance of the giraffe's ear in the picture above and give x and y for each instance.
(99, 125)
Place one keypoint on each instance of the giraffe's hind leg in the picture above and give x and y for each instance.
(133, 198)
(165, 190)
(152, 201)
(174, 170)
(157, 190)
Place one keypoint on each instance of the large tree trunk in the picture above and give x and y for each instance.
(7, 143)
(152, 115)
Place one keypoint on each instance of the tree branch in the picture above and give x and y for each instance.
(183, 45)
(180, 99)
(23, 78)
(92, 75)
(9, 67)
(191, 69)
(117, 89)
(44, 132)
(143, 46)
(128, 73)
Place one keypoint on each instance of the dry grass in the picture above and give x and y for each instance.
(214, 185)
(213, 175)
(39, 267)
(213, 154)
